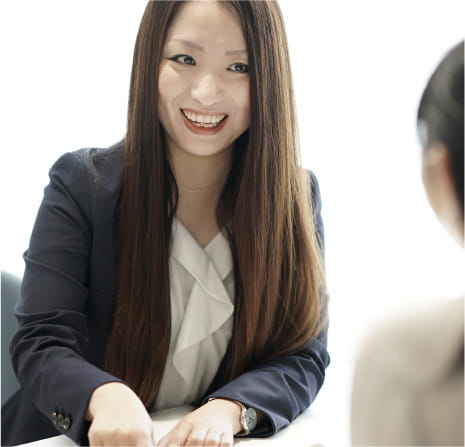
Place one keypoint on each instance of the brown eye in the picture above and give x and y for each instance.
(239, 68)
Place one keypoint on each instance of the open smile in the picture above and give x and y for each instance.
(202, 123)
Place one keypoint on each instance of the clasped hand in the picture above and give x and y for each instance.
(118, 418)
(213, 424)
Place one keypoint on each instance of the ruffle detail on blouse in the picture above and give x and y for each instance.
(209, 306)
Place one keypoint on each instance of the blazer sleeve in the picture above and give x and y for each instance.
(284, 387)
(47, 350)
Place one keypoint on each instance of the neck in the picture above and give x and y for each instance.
(200, 179)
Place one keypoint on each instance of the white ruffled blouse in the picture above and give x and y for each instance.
(202, 307)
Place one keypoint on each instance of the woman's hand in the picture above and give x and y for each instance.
(118, 418)
(213, 424)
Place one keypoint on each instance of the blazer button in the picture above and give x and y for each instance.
(60, 420)
(54, 418)
(66, 424)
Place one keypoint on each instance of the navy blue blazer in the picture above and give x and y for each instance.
(66, 306)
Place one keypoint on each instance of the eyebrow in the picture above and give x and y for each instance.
(198, 47)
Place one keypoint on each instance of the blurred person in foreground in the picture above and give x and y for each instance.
(408, 382)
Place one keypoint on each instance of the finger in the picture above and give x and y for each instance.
(142, 441)
(196, 438)
(212, 439)
(163, 442)
(177, 441)
(227, 440)
(99, 439)
(153, 438)
(176, 437)
(94, 440)
(136, 437)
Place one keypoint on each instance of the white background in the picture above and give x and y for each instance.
(359, 69)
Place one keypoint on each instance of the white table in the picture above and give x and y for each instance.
(325, 423)
(302, 432)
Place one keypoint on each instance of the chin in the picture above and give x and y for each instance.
(203, 152)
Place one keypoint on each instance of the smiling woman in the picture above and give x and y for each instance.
(204, 75)
(182, 265)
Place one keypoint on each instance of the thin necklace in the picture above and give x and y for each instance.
(201, 188)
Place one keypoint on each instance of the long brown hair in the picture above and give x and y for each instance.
(278, 271)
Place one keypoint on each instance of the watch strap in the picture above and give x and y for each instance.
(245, 427)
(243, 416)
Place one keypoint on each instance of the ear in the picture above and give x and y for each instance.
(439, 186)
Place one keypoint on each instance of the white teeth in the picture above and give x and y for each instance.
(204, 125)
(203, 120)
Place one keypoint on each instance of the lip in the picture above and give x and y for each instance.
(203, 130)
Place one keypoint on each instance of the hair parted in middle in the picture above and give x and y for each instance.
(278, 273)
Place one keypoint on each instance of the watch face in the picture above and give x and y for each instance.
(251, 419)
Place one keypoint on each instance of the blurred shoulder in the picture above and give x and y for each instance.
(421, 343)
(408, 380)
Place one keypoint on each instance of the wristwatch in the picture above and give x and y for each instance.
(248, 418)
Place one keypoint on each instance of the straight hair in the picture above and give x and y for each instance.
(278, 273)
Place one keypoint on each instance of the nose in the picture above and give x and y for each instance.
(207, 90)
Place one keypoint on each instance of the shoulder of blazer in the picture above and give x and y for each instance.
(90, 178)
(102, 167)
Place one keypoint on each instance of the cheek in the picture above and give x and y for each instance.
(169, 85)
(432, 188)
(242, 100)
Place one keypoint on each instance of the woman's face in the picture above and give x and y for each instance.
(203, 82)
